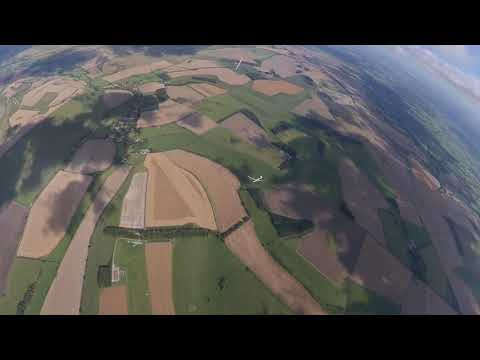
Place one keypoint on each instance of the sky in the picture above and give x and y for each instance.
(458, 64)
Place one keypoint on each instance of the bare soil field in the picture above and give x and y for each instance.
(208, 90)
(274, 87)
(133, 207)
(183, 94)
(197, 123)
(174, 197)
(193, 64)
(231, 54)
(316, 105)
(381, 272)
(247, 130)
(93, 156)
(24, 117)
(13, 217)
(51, 213)
(283, 66)
(151, 87)
(362, 198)
(274, 49)
(169, 111)
(243, 242)
(113, 301)
(226, 75)
(116, 97)
(220, 184)
(63, 297)
(333, 247)
(158, 258)
(137, 70)
(66, 88)
(421, 300)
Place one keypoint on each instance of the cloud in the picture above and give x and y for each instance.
(435, 63)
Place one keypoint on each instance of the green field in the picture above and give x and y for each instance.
(209, 279)
(365, 302)
(131, 259)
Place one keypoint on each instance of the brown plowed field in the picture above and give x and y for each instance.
(197, 123)
(169, 111)
(421, 300)
(159, 271)
(133, 207)
(226, 75)
(13, 217)
(116, 97)
(247, 130)
(51, 213)
(362, 198)
(113, 301)
(208, 90)
(93, 156)
(220, 184)
(381, 272)
(149, 88)
(64, 295)
(274, 87)
(333, 247)
(243, 242)
(137, 70)
(174, 197)
(284, 66)
(183, 94)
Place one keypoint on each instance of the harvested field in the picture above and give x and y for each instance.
(64, 295)
(247, 130)
(133, 207)
(193, 64)
(169, 111)
(151, 87)
(243, 242)
(12, 221)
(282, 65)
(197, 123)
(421, 300)
(175, 197)
(183, 94)
(208, 90)
(362, 198)
(113, 301)
(316, 105)
(274, 49)
(274, 87)
(13, 88)
(24, 117)
(226, 75)
(93, 156)
(51, 213)
(65, 88)
(220, 184)
(116, 97)
(159, 270)
(137, 70)
(381, 272)
(237, 54)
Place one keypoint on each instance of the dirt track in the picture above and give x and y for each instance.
(51, 213)
(244, 243)
(64, 295)
(159, 270)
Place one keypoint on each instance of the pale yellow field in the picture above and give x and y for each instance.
(133, 207)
